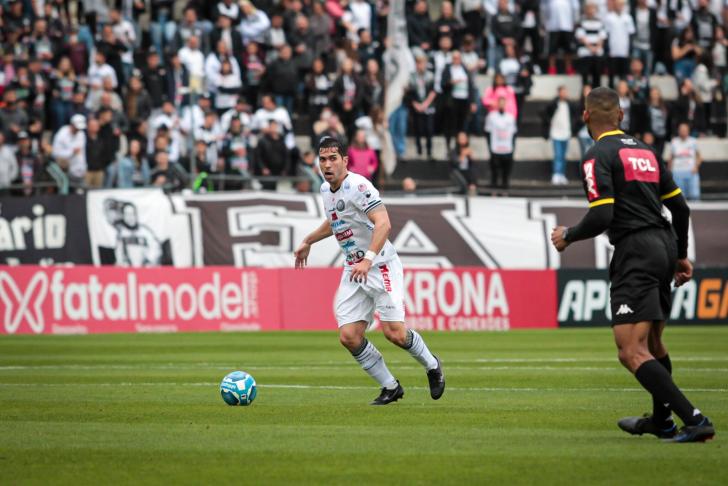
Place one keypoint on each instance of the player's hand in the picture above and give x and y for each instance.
(557, 238)
(301, 255)
(683, 271)
(360, 271)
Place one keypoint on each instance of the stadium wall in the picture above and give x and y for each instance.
(145, 227)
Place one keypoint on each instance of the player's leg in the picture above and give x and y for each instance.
(634, 354)
(354, 310)
(660, 413)
(386, 282)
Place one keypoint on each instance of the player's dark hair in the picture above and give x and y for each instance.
(603, 106)
(331, 142)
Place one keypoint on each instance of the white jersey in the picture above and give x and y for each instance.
(684, 154)
(346, 210)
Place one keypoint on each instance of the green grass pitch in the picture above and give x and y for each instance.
(523, 407)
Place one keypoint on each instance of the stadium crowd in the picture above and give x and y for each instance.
(130, 93)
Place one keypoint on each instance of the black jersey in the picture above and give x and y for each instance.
(621, 170)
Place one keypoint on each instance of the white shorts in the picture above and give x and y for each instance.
(383, 292)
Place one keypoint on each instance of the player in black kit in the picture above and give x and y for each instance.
(626, 185)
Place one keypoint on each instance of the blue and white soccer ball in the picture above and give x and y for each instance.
(238, 388)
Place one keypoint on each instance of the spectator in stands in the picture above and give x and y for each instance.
(320, 24)
(501, 129)
(421, 96)
(69, 148)
(228, 87)
(582, 131)
(162, 27)
(235, 149)
(362, 159)
(458, 92)
(8, 165)
(643, 43)
(63, 84)
(704, 86)
(497, 90)
(720, 53)
(372, 86)
(308, 168)
(318, 89)
(101, 146)
(254, 65)
(447, 25)
(685, 161)
(620, 27)
(625, 103)
(689, 109)
(126, 37)
(138, 102)
(559, 125)
(463, 165)
(271, 155)
(31, 162)
(530, 11)
(590, 36)
(100, 70)
(347, 94)
(213, 63)
(225, 32)
(154, 76)
(164, 175)
(13, 118)
(276, 35)
(658, 121)
(409, 186)
(132, 170)
(472, 60)
(685, 52)
(191, 26)
(270, 111)
(704, 24)
(254, 23)
(193, 60)
(328, 125)
(377, 136)
(471, 12)
(560, 19)
(420, 29)
(506, 26)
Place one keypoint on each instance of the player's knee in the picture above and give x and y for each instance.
(396, 336)
(350, 341)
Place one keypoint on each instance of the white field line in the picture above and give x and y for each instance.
(343, 366)
(336, 387)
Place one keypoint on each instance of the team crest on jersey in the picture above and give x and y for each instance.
(347, 186)
(340, 205)
(362, 187)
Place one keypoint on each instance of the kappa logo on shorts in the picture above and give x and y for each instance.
(624, 309)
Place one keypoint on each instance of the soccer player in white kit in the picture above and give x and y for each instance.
(372, 279)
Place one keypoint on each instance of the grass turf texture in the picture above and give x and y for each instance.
(521, 407)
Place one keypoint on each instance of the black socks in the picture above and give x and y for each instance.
(660, 413)
(655, 378)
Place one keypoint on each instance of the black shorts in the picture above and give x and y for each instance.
(561, 40)
(641, 273)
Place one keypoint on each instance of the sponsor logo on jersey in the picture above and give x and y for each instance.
(334, 216)
(362, 187)
(639, 165)
(347, 185)
(384, 270)
(627, 141)
(590, 179)
(347, 233)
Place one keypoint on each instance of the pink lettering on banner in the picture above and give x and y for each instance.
(639, 165)
(110, 299)
(75, 300)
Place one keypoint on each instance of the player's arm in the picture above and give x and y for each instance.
(597, 178)
(674, 200)
(380, 218)
(320, 233)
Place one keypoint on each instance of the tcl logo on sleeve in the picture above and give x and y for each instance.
(592, 191)
(639, 165)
